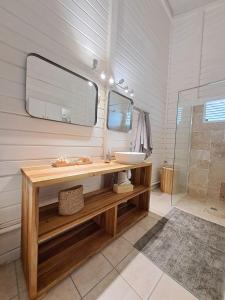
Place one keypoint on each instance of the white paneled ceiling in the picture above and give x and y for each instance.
(181, 6)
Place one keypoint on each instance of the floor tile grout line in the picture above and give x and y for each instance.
(146, 230)
(133, 289)
(75, 286)
(122, 258)
(127, 240)
(113, 269)
(154, 288)
(107, 259)
(123, 276)
(96, 284)
(125, 256)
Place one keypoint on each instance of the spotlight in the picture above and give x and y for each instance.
(90, 83)
(111, 80)
(121, 81)
(94, 64)
(132, 93)
(103, 76)
(126, 90)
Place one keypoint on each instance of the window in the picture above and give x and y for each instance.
(214, 111)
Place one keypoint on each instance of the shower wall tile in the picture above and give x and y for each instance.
(198, 181)
(198, 110)
(216, 173)
(218, 151)
(200, 157)
(213, 193)
(198, 176)
(201, 140)
(222, 191)
(207, 158)
(218, 136)
(197, 119)
(196, 191)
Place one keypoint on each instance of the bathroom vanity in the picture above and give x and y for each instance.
(53, 245)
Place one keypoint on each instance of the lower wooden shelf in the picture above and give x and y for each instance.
(128, 215)
(52, 224)
(60, 256)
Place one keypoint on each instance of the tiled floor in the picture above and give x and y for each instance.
(210, 210)
(119, 271)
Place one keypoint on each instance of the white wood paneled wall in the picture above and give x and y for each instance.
(183, 68)
(71, 33)
(140, 56)
(197, 48)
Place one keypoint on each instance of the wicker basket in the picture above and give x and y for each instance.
(71, 200)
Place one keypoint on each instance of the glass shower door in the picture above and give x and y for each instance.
(199, 153)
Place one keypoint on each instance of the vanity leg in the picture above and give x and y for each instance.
(33, 215)
(145, 180)
(111, 220)
(136, 180)
(24, 214)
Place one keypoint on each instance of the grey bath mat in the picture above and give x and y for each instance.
(191, 251)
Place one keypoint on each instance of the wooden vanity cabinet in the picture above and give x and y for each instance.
(53, 245)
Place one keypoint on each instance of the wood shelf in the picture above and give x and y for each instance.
(60, 256)
(52, 246)
(131, 218)
(128, 215)
(52, 224)
(124, 208)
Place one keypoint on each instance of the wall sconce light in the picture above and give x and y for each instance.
(111, 80)
(94, 64)
(132, 93)
(126, 88)
(103, 76)
(121, 81)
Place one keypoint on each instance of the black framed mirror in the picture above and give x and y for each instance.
(120, 110)
(56, 93)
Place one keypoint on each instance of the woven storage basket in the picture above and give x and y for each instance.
(71, 200)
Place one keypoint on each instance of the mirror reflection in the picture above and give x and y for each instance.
(55, 93)
(119, 112)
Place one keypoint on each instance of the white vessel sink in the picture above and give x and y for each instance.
(129, 157)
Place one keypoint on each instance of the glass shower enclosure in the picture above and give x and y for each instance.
(199, 153)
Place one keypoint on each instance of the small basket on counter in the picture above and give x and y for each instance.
(71, 200)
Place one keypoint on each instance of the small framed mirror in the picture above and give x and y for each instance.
(120, 109)
(56, 93)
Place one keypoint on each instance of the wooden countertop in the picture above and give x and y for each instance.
(41, 176)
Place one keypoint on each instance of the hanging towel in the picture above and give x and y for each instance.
(142, 141)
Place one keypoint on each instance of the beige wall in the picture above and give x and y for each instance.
(207, 171)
